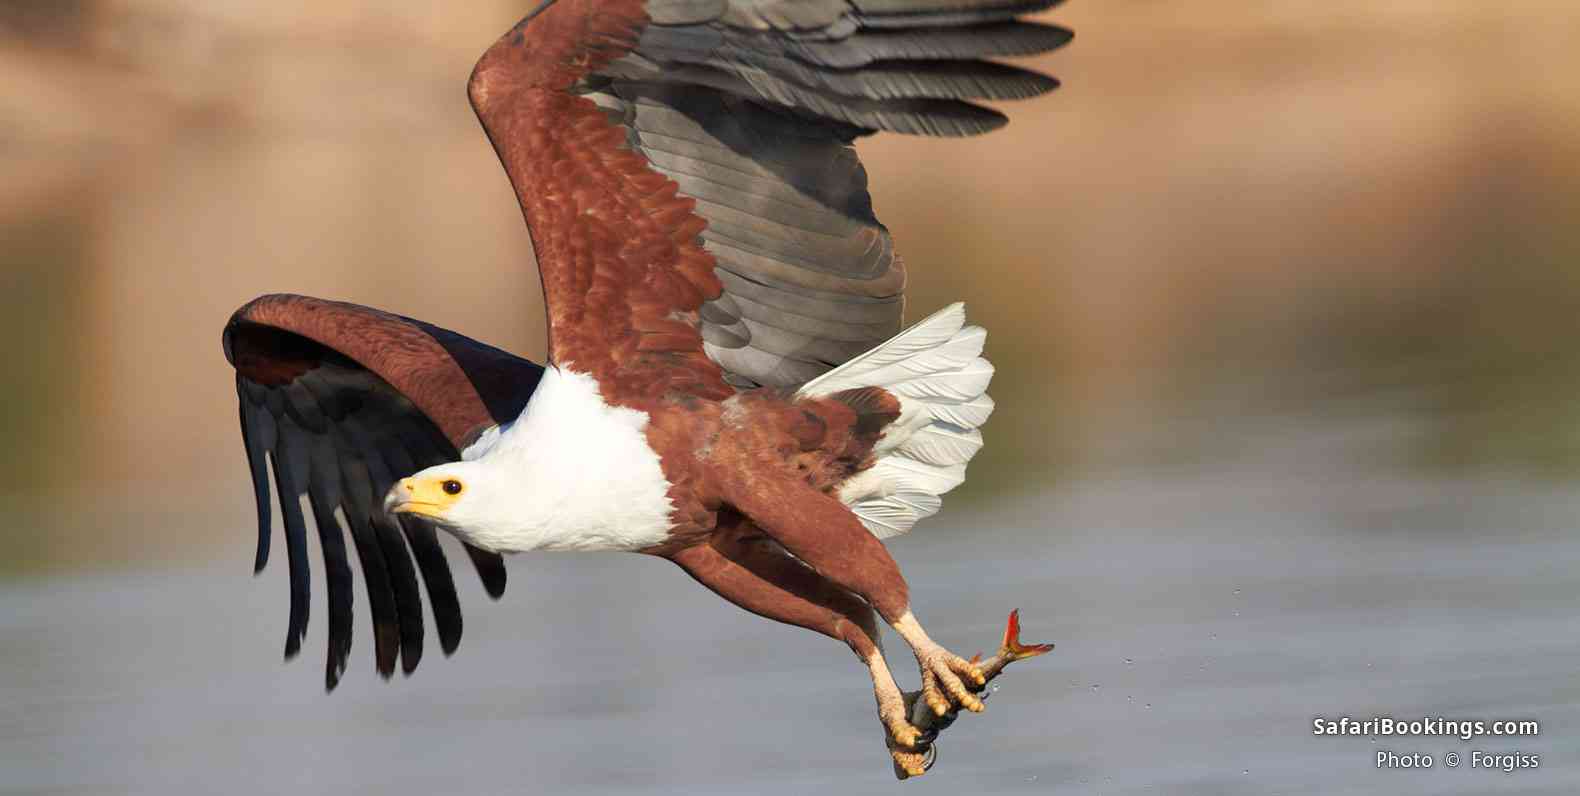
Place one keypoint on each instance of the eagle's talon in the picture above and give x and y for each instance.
(903, 735)
(975, 673)
(935, 700)
(942, 685)
(916, 763)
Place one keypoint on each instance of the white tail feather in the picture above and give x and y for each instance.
(936, 370)
(933, 331)
(966, 414)
(896, 514)
(942, 443)
(963, 384)
(955, 352)
(898, 473)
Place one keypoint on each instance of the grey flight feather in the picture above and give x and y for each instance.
(752, 106)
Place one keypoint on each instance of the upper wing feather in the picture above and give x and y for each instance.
(624, 273)
(733, 118)
(339, 401)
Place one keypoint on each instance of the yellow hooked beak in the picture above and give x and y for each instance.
(427, 497)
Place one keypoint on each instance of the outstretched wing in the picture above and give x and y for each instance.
(634, 132)
(339, 401)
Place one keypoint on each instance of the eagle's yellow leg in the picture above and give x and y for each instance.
(907, 744)
(822, 532)
(891, 704)
(756, 574)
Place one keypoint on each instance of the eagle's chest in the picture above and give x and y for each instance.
(587, 477)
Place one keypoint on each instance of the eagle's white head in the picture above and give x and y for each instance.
(467, 499)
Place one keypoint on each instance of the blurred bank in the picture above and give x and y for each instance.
(1233, 220)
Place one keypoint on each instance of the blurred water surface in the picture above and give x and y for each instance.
(1203, 618)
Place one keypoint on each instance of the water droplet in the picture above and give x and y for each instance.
(1236, 613)
(1094, 686)
(1215, 637)
(1130, 697)
(1245, 771)
(1149, 706)
(1236, 591)
(1130, 660)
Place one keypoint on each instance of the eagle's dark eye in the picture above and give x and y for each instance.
(451, 486)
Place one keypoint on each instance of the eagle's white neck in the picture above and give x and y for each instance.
(573, 473)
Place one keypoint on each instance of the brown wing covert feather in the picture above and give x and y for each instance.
(624, 273)
(397, 349)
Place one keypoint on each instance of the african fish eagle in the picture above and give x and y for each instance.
(726, 387)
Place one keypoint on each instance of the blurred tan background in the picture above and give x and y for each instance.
(1231, 211)
(1283, 296)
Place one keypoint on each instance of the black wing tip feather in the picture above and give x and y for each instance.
(338, 581)
(491, 568)
(287, 410)
(272, 427)
(410, 655)
(442, 599)
(296, 547)
(403, 582)
(257, 470)
(451, 641)
(386, 648)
